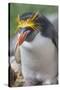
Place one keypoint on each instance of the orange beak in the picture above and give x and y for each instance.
(21, 38)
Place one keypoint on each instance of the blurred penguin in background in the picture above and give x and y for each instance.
(38, 43)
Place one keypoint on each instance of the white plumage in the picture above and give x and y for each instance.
(39, 59)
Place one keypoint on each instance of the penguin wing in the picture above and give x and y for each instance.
(53, 34)
(55, 38)
(48, 30)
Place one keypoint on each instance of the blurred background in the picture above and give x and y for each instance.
(51, 12)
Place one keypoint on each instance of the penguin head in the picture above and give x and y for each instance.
(29, 24)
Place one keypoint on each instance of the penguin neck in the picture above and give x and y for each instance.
(32, 36)
(34, 42)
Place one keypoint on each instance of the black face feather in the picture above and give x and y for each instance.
(26, 15)
(45, 27)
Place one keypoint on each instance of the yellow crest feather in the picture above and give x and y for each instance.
(27, 23)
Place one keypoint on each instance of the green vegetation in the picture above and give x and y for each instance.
(16, 8)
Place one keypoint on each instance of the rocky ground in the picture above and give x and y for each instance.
(16, 77)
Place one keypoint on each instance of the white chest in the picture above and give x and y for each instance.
(39, 57)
